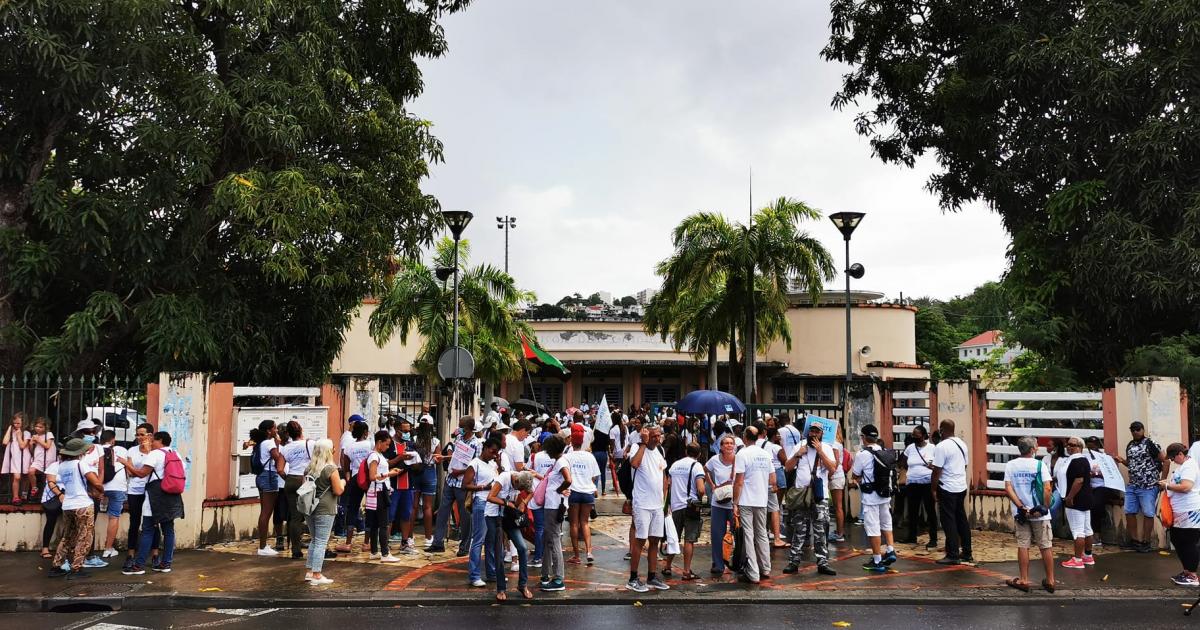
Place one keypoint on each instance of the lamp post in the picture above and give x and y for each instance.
(506, 223)
(457, 221)
(846, 222)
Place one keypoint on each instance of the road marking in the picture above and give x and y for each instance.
(84, 623)
(115, 626)
(245, 612)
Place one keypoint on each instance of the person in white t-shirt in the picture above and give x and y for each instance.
(837, 490)
(558, 476)
(478, 479)
(918, 494)
(753, 481)
(650, 480)
(1031, 511)
(876, 510)
(353, 455)
(687, 494)
(266, 450)
(297, 453)
(584, 477)
(378, 497)
(812, 461)
(74, 480)
(949, 480)
(720, 479)
(158, 514)
(115, 489)
(1183, 491)
(505, 494)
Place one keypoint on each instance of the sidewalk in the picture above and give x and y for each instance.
(233, 578)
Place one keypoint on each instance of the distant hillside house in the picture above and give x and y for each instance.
(980, 347)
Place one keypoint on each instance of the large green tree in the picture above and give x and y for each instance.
(1074, 121)
(417, 301)
(206, 184)
(758, 265)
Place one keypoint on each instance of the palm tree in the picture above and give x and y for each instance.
(488, 324)
(697, 318)
(759, 264)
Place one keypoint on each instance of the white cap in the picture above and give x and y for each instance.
(425, 419)
(500, 426)
(583, 407)
(85, 424)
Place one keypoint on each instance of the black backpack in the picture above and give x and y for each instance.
(625, 478)
(256, 463)
(110, 463)
(883, 477)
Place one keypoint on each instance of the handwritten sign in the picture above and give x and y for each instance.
(828, 428)
(1112, 476)
(464, 452)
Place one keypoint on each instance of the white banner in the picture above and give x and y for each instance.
(603, 416)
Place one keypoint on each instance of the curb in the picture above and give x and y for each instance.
(179, 601)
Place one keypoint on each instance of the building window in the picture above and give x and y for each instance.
(818, 392)
(593, 393)
(548, 394)
(786, 392)
(660, 393)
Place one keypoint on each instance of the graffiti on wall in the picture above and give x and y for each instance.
(175, 417)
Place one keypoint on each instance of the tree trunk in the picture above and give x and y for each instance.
(712, 366)
(750, 340)
(485, 392)
(733, 360)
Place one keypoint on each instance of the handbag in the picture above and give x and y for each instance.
(804, 499)
(695, 506)
(513, 518)
(723, 494)
(1166, 513)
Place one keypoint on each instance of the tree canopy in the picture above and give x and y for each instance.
(1073, 120)
(206, 185)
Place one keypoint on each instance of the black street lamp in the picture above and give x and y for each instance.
(506, 223)
(457, 221)
(846, 222)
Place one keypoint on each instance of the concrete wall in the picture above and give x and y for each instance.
(360, 355)
(220, 440)
(224, 521)
(183, 412)
(819, 338)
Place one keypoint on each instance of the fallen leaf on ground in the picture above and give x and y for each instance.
(841, 624)
(210, 589)
(202, 576)
(1164, 553)
(1105, 578)
(638, 604)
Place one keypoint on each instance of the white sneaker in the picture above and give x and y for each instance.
(507, 558)
(479, 584)
(267, 551)
(408, 550)
(428, 543)
(374, 556)
(516, 566)
(109, 553)
(308, 577)
(321, 581)
(389, 558)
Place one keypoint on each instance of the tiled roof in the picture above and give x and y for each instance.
(989, 338)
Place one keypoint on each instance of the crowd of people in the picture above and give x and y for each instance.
(517, 487)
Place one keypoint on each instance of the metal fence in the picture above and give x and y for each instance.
(1079, 414)
(65, 400)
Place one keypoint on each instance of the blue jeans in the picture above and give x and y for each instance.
(168, 541)
(602, 463)
(479, 540)
(539, 531)
(494, 529)
(116, 502)
(1144, 500)
(451, 496)
(722, 521)
(319, 526)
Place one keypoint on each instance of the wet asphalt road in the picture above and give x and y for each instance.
(1094, 615)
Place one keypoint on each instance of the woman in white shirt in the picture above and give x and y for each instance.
(136, 499)
(837, 490)
(296, 455)
(478, 480)
(1183, 490)
(266, 452)
(379, 498)
(505, 498)
(74, 479)
(918, 457)
(720, 475)
(558, 483)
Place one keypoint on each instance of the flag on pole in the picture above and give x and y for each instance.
(541, 357)
(603, 415)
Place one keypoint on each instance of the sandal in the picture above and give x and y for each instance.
(573, 560)
(667, 573)
(526, 593)
(1018, 584)
(1047, 585)
(779, 544)
(501, 596)
(689, 576)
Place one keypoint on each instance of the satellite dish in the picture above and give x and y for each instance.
(456, 357)
(866, 351)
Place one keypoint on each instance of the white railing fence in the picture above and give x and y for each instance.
(1084, 419)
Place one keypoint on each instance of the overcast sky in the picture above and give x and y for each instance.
(600, 125)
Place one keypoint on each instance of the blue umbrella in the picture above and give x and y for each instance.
(710, 401)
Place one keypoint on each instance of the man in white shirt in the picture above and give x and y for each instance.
(1031, 512)
(492, 417)
(949, 480)
(650, 481)
(790, 437)
(876, 509)
(115, 489)
(514, 447)
(687, 493)
(812, 461)
(466, 447)
(753, 481)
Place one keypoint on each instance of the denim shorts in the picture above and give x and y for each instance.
(267, 481)
(585, 498)
(116, 502)
(427, 484)
(1144, 500)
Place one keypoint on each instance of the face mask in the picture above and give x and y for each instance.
(406, 436)
(89, 439)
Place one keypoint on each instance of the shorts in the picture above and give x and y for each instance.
(427, 483)
(1144, 500)
(1036, 533)
(772, 502)
(267, 481)
(1080, 522)
(648, 523)
(838, 481)
(400, 506)
(877, 518)
(688, 527)
(116, 502)
(585, 498)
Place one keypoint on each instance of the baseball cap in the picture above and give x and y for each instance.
(1137, 425)
(870, 431)
(578, 429)
(357, 418)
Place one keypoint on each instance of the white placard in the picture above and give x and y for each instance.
(1112, 475)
